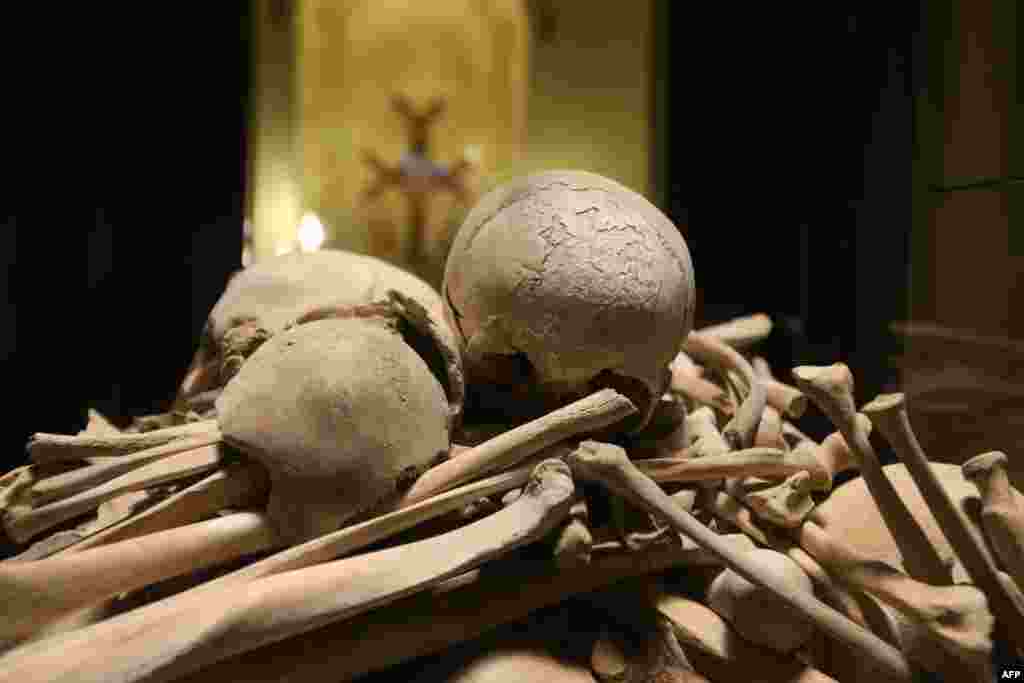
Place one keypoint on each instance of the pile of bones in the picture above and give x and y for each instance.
(540, 473)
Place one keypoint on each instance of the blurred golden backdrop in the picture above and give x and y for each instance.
(523, 86)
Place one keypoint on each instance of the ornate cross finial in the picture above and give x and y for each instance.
(416, 175)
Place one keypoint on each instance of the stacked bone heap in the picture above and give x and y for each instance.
(360, 471)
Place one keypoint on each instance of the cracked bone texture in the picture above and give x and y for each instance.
(275, 291)
(577, 274)
(339, 411)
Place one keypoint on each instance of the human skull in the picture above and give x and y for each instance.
(260, 300)
(343, 412)
(566, 281)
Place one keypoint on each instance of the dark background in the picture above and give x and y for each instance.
(785, 147)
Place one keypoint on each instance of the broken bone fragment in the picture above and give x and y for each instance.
(786, 504)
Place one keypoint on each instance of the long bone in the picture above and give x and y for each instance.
(788, 503)
(237, 485)
(726, 508)
(22, 522)
(1002, 518)
(700, 628)
(785, 398)
(292, 603)
(78, 480)
(426, 623)
(742, 332)
(64, 583)
(742, 427)
(918, 602)
(704, 437)
(769, 431)
(40, 592)
(821, 463)
(831, 389)
(44, 448)
(755, 612)
(954, 619)
(888, 411)
(602, 408)
(610, 466)
(686, 382)
(109, 513)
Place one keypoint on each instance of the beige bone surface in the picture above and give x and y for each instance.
(769, 432)
(518, 662)
(292, 603)
(1001, 516)
(786, 504)
(697, 626)
(610, 466)
(726, 508)
(76, 481)
(22, 522)
(742, 428)
(45, 448)
(757, 614)
(889, 413)
(599, 410)
(237, 485)
(37, 593)
(785, 398)
(425, 623)
(831, 389)
(703, 435)
(952, 619)
(740, 332)
(751, 462)
(223, 546)
(693, 386)
(124, 566)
